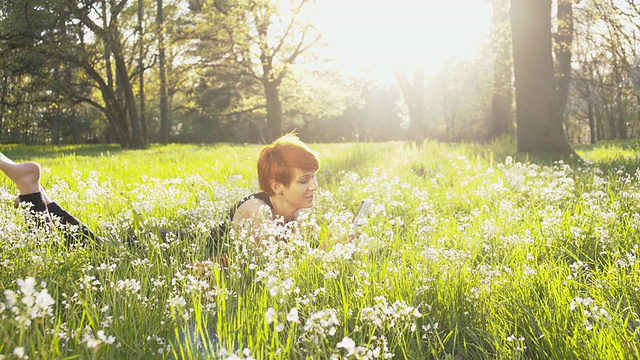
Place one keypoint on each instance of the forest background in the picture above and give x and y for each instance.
(203, 71)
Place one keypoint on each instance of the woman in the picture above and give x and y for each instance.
(286, 175)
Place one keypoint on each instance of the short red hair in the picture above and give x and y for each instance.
(279, 160)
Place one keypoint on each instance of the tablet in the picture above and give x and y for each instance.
(363, 211)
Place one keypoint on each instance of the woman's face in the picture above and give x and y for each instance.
(299, 193)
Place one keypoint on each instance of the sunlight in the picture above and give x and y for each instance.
(382, 36)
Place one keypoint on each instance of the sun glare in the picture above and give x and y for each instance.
(378, 37)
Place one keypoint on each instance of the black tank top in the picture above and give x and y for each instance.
(260, 196)
(217, 234)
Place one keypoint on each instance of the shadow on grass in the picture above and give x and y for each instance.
(25, 152)
(21, 152)
(608, 156)
(627, 165)
(622, 144)
(613, 156)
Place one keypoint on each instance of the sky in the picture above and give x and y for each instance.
(378, 37)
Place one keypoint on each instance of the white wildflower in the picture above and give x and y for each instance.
(19, 353)
(270, 315)
(100, 338)
(28, 303)
(292, 316)
(129, 286)
(347, 344)
(177, 301)
(398, 316)
(319, 325)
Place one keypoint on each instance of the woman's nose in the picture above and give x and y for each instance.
(314, 184)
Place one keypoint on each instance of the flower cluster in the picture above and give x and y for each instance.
(128, 286)
(273, 318)
(28, 303)
(398, 316)
(592, 313)
(518, 342)
(376, 349)
(245, 354)
(93, 341)
(319, 326)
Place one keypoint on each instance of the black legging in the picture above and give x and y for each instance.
(37, 205)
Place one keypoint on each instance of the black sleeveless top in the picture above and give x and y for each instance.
(260, 196)
(219, 233)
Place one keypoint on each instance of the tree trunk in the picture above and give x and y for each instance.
(564, 38)
(113, 109)
(417, 112)
(122, 114)
(414, 98)
(540, 130)
(600, 132)
(613, 124)
(165, 124)
(75, 132)
(591, 115)
(143, 121)
(621, 115)
(274, 111)
(500, 120)
(137, 138)
(55, 131)
(3, 97)
(637, 99)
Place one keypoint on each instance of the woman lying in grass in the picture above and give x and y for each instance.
(286, 175)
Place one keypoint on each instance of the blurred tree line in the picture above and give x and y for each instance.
(143, 71)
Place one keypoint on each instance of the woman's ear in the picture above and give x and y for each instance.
(276, 186)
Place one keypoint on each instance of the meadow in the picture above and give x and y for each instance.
(470, 252)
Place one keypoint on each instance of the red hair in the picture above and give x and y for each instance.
(279, 160)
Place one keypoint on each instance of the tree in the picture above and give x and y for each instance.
(29, 97)
(605, 50)
(539, 118)
(414, 98)
(500, 119)
(87, 36)
(262, 40)
(458, 98)
(141, 68)
(162, 73)
(119, 102)
(562, 49)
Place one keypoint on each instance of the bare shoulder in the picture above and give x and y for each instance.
(248, 209)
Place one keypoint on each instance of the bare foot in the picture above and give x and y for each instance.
(25, 175)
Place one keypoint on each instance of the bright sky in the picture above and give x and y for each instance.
(382, 36)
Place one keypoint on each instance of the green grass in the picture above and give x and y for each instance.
(471, 252)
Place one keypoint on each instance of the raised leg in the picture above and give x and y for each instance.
(26, 176)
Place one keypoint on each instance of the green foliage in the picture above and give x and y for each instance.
(468, 253)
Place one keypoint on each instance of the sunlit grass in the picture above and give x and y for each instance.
(470, 252)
